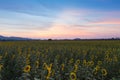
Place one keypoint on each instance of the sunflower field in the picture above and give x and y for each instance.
(60, 60)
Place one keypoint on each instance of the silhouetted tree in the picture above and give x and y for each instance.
(49, 39)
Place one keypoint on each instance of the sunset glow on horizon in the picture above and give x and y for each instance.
(60, 19)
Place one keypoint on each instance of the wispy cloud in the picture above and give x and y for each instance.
(107, 21)
(23, 20)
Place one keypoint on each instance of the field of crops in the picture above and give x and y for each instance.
(60, 60)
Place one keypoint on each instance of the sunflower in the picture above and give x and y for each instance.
(99, 62)
(90, 63)
(0, 57)
(49, 68)
(37, 64)
(49, 71)
(78, 62)
(84, 62)
(1, 66)
(75, 68)
(27, 68)
(62, 66)
(96, 69)
(104, 72)
(27, 61)
(44, 66)
(72, 76)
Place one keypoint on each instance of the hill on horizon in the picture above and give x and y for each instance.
(4, 38)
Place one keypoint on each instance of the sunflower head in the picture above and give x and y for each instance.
(104, 72)
(37, 64)
(62, 66)
(84, 62)
(73, 76)
(0, 57)
(1, 66)
(78, 62)
(99, 62)
(27, 68)
(96, 69)
(75, 68)
(90, 63)
(27, 61)
(44, 66)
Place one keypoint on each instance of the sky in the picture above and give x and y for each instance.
(59, 19)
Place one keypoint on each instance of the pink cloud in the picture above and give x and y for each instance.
(106, 21)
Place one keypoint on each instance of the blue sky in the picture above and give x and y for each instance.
(60, 18)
